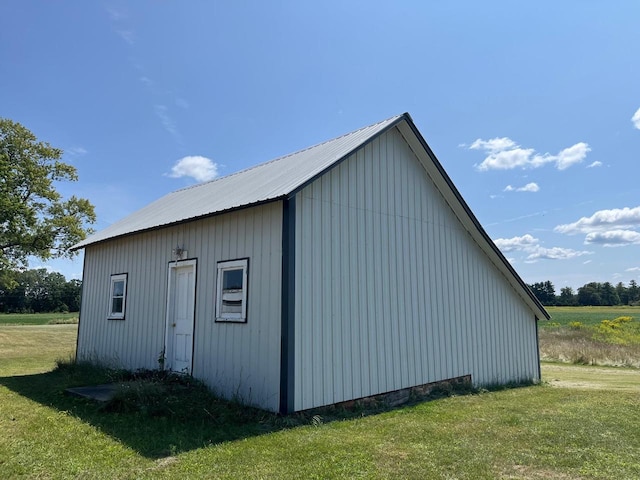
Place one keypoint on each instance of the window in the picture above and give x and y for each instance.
(231, 298)
(118, 296)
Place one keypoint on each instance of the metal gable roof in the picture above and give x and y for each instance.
(263, 183)
(286, 175)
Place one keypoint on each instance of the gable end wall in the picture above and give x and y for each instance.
(391, 291)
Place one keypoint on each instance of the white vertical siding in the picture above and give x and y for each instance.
(391, 290)
(240, 360)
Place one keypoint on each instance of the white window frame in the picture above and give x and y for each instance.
(120, 277)
(238, 317)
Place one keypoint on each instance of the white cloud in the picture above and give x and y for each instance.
(516, 243)
(146, 81)
(507, 159)
(529, 187)
(595, 164)
(505, 154)
(572, 155)
(200, 168)
(603, 220)
(126, 35)
(633, 269)
(636, 119)
(531, 245)
(494, 145)
(613, 238)
(117, 14)
(555, 253)
(162, 112)
(76, 151)
(181, 102)
(118, 18)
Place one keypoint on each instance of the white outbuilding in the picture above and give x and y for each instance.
(346, 270)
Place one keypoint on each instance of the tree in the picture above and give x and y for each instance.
(589, 294)
(34, 218)
(40, 291)
(545, 292)
(634, 292)
(623, 294)
(567, 297)
(71, 295)
(608, 294)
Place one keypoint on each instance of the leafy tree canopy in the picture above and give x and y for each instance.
(34, 218)
(35, 291)
(593, 293)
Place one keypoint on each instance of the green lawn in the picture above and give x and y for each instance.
(571, 427)
(587, 315)
(38, 318)
(27, 349)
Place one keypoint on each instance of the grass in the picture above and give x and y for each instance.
(592, 378)
(563, 316)
(570, 427)
(38, 318)
(31, 349)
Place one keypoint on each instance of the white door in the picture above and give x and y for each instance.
(180, 316)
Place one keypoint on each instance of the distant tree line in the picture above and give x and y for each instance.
(38, 291)
(591, 294)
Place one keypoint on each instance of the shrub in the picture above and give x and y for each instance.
(620, 331)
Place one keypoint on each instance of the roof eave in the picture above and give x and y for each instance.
(88, 243)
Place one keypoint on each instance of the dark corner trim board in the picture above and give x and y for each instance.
(537, 320)
(287, 307)
(84, 269)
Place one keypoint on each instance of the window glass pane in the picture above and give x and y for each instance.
(231, 301)
(118, 288)
(232, 279)
(116, 305)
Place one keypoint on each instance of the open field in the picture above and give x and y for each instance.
(571, 427)
(587, 315)
(27, 349)
(592, 335)
(38, 318)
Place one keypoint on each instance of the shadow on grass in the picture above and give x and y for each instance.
(160, 415)
(153, 431)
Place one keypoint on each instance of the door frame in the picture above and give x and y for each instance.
(168, 336)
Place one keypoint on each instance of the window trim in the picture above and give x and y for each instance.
(118, 277)
(223, 266)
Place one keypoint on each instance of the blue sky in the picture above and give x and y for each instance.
(532, 108)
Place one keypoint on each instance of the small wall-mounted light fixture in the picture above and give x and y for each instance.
(179, 253)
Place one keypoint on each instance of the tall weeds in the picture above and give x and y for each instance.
(612, 342)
